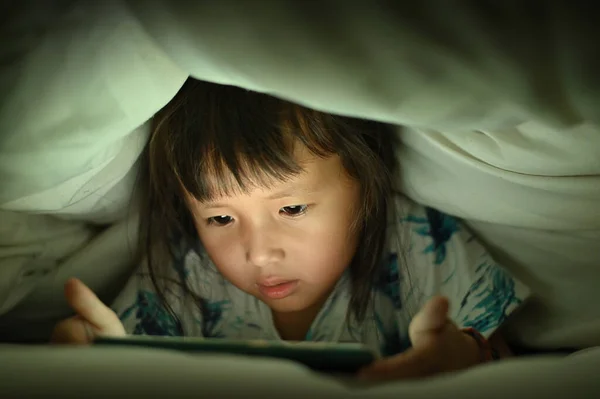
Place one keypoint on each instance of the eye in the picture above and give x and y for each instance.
(223, 220)
(294, 210)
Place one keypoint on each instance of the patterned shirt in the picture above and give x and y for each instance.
(428, 253)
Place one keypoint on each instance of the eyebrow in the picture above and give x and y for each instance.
(290, 192)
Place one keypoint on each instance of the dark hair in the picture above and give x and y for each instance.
(211, 128)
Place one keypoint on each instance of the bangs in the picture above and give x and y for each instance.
(230, 141)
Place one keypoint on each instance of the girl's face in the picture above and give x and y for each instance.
(288, 244)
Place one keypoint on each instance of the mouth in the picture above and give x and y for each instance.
(277, 289)
(272, 281)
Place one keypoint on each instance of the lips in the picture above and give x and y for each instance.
(272, 281)
(273, 288)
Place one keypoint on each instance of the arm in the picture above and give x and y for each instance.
(447, 260)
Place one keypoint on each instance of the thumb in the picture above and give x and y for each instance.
(91, 309)
(430, 321)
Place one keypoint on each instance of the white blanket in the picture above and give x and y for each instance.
(501, 129)
(135, 372)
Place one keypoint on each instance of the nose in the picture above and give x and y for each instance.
(263, 246)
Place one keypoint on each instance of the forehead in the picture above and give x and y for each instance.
(316, 174)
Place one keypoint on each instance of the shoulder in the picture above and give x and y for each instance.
(424, 231)
(424, 246)
(433, 253)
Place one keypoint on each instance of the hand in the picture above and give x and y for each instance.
(93, 317)
(438, 345)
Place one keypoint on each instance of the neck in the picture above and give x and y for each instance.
(292, 326)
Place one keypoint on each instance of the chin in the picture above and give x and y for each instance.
(286, 305)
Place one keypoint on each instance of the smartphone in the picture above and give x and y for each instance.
(320, 356)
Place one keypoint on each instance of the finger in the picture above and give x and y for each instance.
(431, 319)
(413, 363)
(91, 309)
(72, 331)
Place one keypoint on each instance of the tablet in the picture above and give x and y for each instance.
(320, 356)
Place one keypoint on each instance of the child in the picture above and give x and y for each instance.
(301, 237)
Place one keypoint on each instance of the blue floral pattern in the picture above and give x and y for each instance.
(212, 315)
(439, 227)
(152, 318)
(440, 259)
(490, 298)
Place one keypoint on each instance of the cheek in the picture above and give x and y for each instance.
(328, 250)
(227, 257)
(325, 261)
(219, 252)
